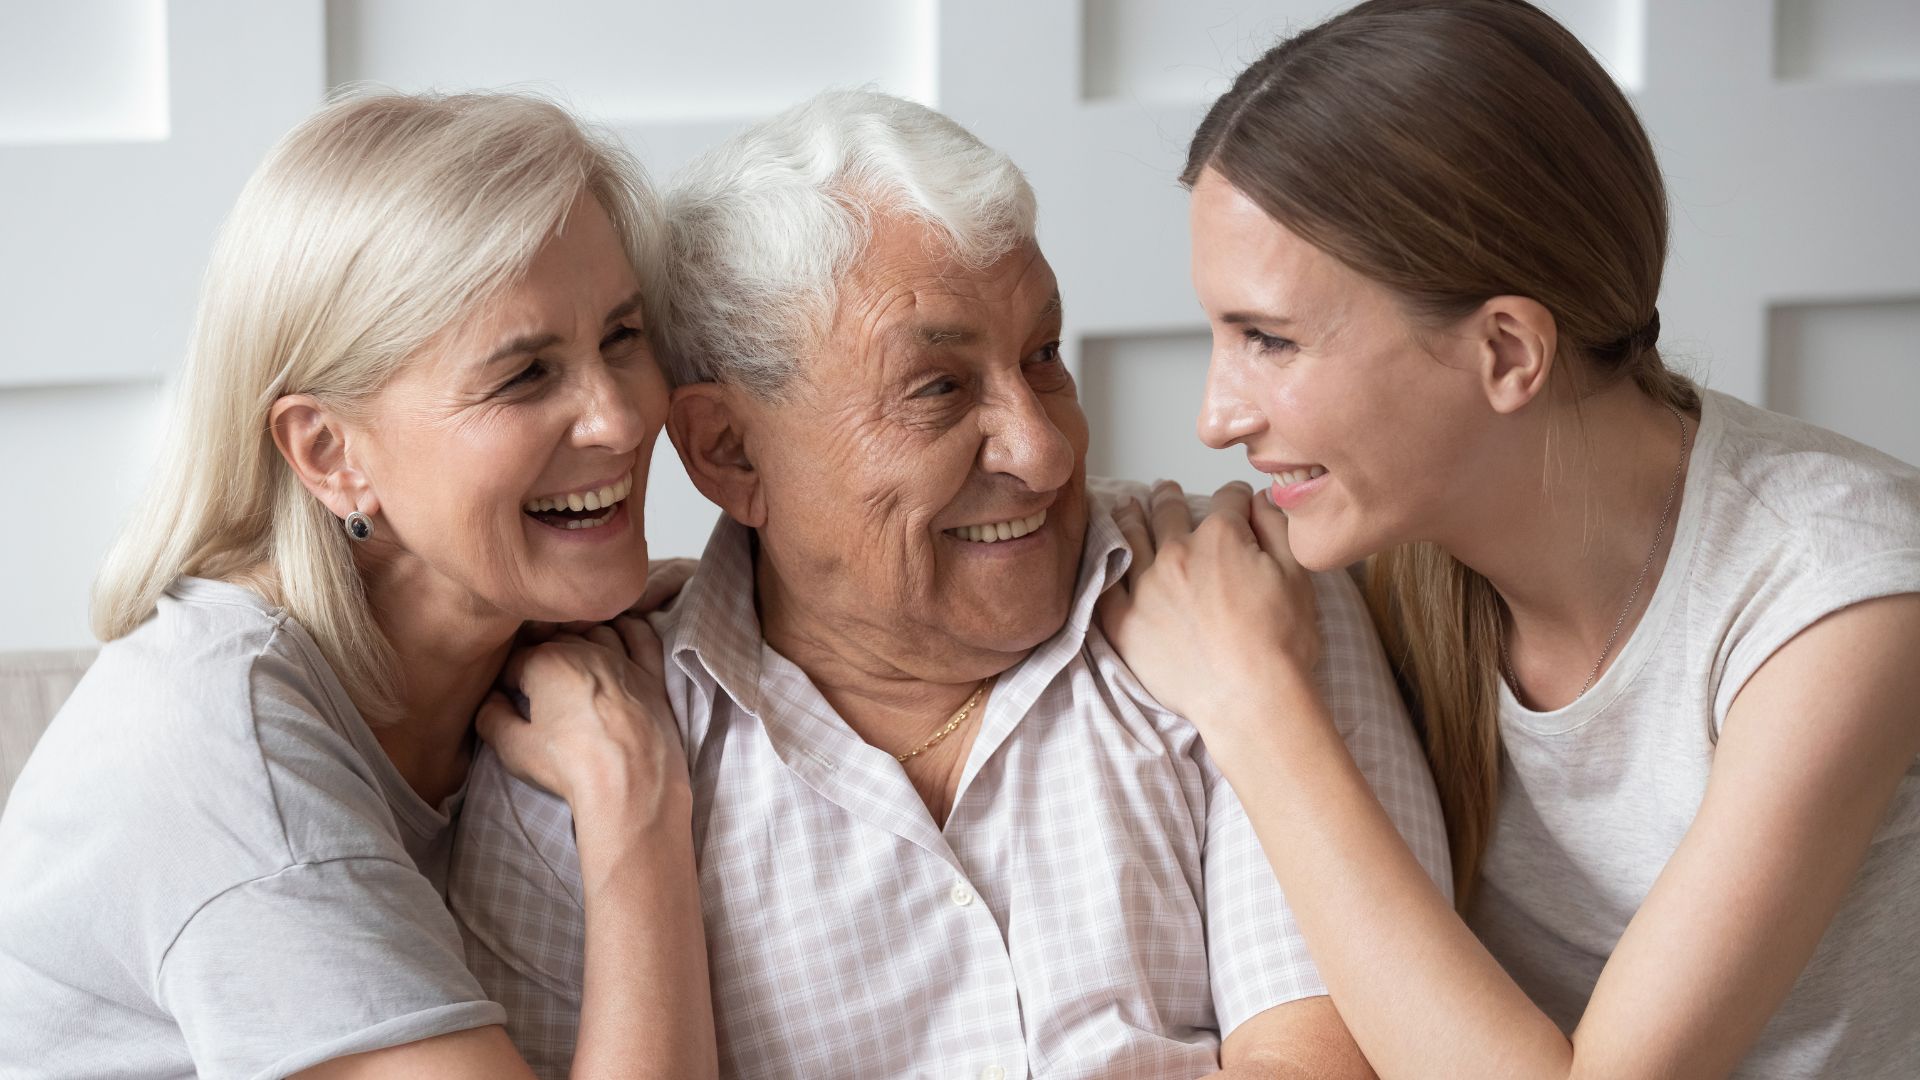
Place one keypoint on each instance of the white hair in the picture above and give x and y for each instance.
(381, 220)
(761, 227)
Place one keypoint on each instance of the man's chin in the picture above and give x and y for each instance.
(1025, 626)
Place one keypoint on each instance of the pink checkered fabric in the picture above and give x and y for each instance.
(1095, 906)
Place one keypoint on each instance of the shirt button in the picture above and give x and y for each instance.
(961, 897)
(993, 1072)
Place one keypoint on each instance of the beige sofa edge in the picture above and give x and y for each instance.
(33, 685)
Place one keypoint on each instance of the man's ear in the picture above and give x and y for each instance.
(314, 443)
(707, 423)
(1514, 348)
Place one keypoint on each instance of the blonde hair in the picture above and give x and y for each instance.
(378, 222)
(1456, 150)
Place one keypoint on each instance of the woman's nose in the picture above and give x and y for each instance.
(1227, 415)
(612, 413)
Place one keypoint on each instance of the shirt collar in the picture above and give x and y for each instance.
(716, 622)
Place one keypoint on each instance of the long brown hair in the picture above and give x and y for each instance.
(1453, 151)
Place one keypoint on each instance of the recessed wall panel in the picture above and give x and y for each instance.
(1150, 50)
(1153, 51)
(88, 452)
(83, 71)
(1854, 368)
(626, 62)
(1847, 40)
(1142, 397)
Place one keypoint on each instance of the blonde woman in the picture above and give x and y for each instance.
(1663, 642)
(417, 415)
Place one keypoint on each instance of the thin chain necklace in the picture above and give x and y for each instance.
(952, 725)
(1666, 512)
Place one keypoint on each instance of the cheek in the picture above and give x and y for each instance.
(463, 487)
(834, 500)
(1071, 420)
(647, 388)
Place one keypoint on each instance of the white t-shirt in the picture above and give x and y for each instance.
(210, 867)
(1781, 524)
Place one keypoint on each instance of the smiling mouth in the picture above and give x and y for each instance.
(996, 531)
(1298, 476)
(580, 509)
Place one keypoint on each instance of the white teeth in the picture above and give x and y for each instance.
(602, 499)
(589, 523)
(1298, 476)
(999, 530)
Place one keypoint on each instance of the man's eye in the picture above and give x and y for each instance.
(1267, 343)
(1046, 369)
(937, 388)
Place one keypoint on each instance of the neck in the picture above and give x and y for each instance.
(1564, 543)
(891, 685)
(450, 649)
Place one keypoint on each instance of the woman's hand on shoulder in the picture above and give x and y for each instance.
(1208, 616)
(593, 724)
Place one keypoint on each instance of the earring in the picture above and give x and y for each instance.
(359, 526)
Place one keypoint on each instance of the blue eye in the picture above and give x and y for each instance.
(1267, 343)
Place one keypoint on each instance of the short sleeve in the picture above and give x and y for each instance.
(515, 893)
(315, 962)
(1258, 956)
(1809, 595)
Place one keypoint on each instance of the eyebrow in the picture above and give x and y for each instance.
(1242, 318)
(529, 343)
(944, 335)
(520, 346)
(937, 335)
(624, 308)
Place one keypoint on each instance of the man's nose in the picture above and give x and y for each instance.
(1024, 442)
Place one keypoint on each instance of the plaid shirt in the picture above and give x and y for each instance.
(1096, 905)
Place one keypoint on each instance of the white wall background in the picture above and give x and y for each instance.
(1789, 130)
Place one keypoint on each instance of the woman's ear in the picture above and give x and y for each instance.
(1515, 347)
(708, 425)
(314, 444)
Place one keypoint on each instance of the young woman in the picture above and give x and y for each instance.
(1663, 643)
(417, 415)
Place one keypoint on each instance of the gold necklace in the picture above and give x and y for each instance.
(958, 719)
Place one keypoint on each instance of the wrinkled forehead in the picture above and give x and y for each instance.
(908, 294)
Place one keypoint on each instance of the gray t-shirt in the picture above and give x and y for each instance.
(210, 866)
(1781, 523)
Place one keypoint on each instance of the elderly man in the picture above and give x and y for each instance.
(942, 831)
